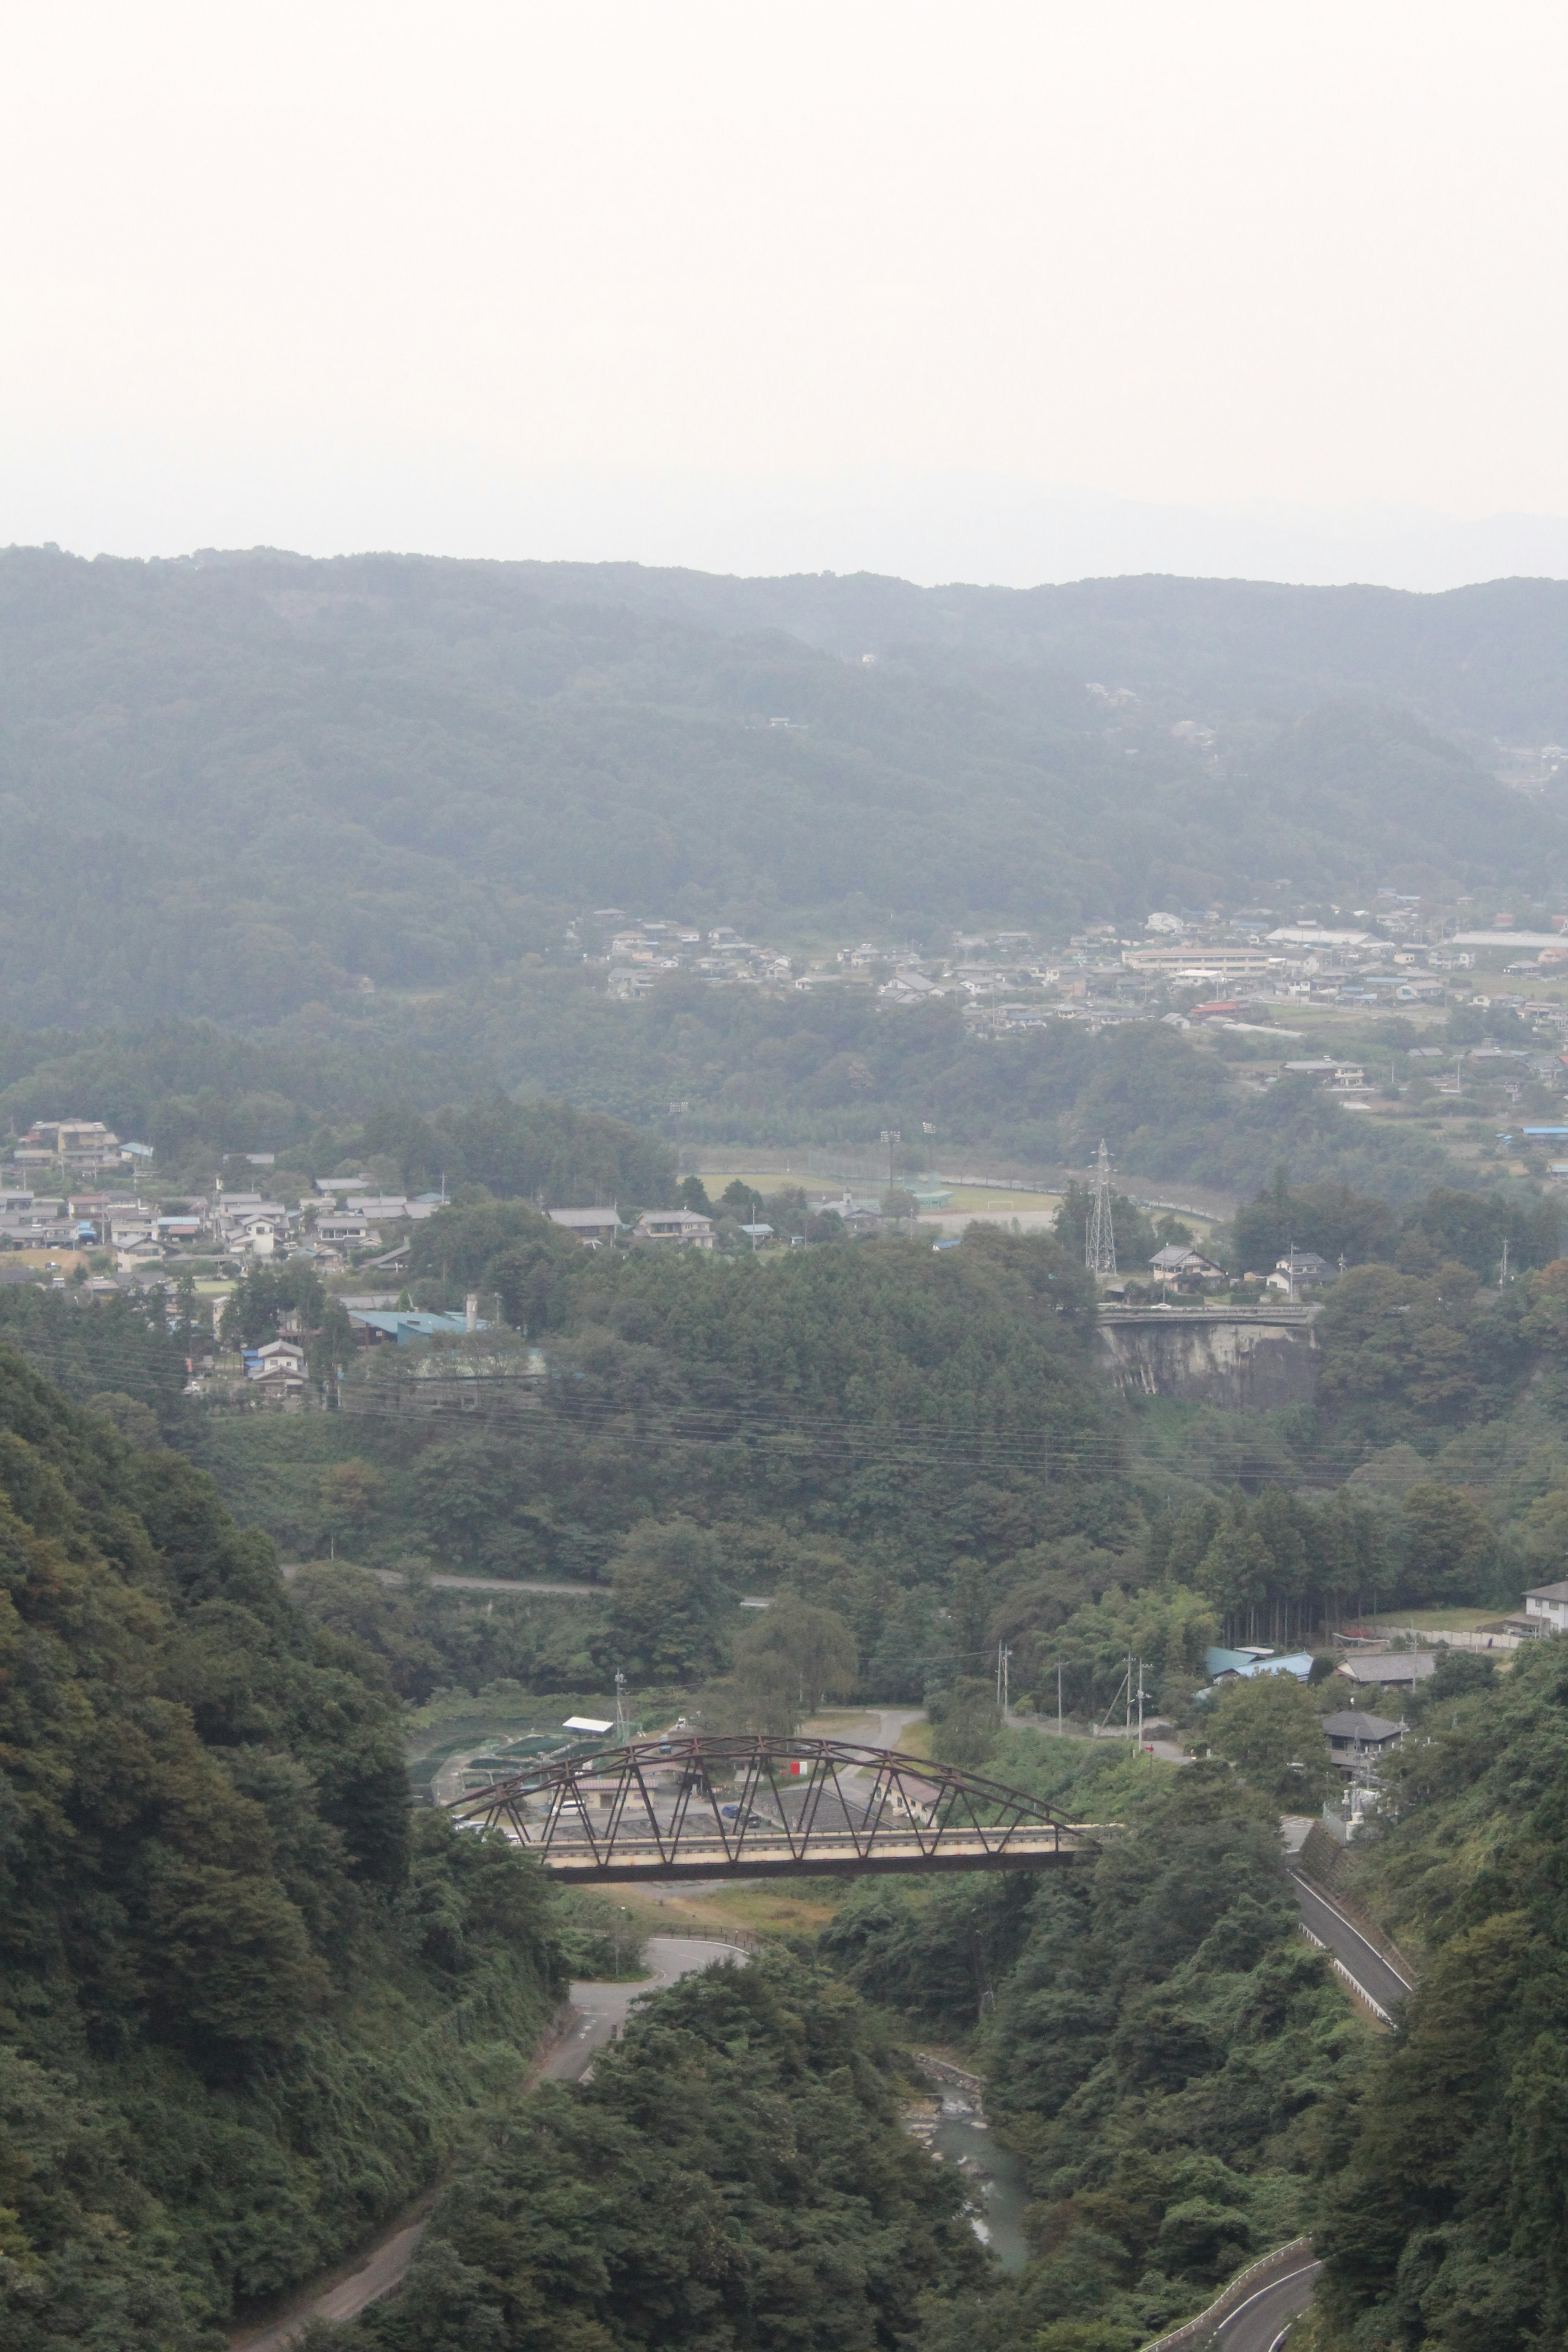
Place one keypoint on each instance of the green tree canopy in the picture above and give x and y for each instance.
(673, 1612)
(1269, 1729)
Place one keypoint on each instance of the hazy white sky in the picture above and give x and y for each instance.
(664, 280)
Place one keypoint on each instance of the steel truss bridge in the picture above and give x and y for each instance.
(756, 1806)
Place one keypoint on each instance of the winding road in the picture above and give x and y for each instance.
(1260, 2323)
(601, 2011)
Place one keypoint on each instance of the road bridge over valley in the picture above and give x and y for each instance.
(755, 1806)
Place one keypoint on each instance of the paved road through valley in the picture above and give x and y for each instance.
(1374, 1974)
(1260, 2323)
(602, 2010)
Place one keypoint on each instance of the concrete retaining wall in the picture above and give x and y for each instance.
(1247, 1361)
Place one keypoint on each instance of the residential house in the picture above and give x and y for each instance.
(349, 1231)
(910, 988)
(1358, 1737)
(679, 1225)
(179, 1230)
(915, 1799)
(277, 1355)
(1546, 1609)
(1176, 1263)
(280, 1387)
(1303, 1268)
(592, 1226)
(81, 1143)
(1392, 1669)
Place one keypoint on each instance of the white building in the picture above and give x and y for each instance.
(1547, 1602)
(674, 1226)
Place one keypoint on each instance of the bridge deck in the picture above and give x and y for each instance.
(631, 1862)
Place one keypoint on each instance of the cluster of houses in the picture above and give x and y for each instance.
(1178, 1264)
(1357, 1738)
(342, 1220)
(641, 953)
(1005, 981)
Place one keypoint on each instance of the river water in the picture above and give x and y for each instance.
(998, 2191)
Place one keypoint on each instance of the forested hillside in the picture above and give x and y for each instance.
(733, 2179)
(1445, 2217)
(414, 1087)
(247, 2003)
(1159, 2046)
(231, 785)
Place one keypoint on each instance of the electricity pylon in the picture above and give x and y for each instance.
(1100, 1243)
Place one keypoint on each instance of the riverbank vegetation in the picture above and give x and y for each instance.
(1156, 2042)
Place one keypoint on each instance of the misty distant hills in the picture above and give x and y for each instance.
(1488, 661)
(227, 785)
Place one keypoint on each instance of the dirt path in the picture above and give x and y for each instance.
(597, 2015)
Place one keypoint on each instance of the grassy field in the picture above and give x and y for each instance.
(986, 1200)
(980, 1200)
(797, 1906)
(48, 1261)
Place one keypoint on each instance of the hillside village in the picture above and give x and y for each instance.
(1400, 954)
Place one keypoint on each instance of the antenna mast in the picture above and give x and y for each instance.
(1100, 1247)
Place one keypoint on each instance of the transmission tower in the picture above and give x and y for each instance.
(1099, 1242)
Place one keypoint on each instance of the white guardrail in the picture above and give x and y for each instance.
(1358, 1991)
(1226, 2301)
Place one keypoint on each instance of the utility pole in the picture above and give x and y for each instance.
(1059, 1699)
(1502, 1279)
(1004, 1657)
(1100, 1243)
(620, 1709)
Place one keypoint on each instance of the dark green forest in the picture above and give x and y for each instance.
(1445, 2222)
(249, 2002)
(732, 2179)
(240, 785)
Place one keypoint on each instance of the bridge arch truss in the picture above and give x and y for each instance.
(699, 1806)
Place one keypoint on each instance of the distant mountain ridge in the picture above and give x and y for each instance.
(1487, 659)
(240, 785)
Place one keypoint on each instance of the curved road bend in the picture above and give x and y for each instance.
(1260, 2324)
(602, 2010)
(1374, 1974)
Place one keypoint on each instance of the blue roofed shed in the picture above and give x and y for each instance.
(407, 1323)
(1220, 1664)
